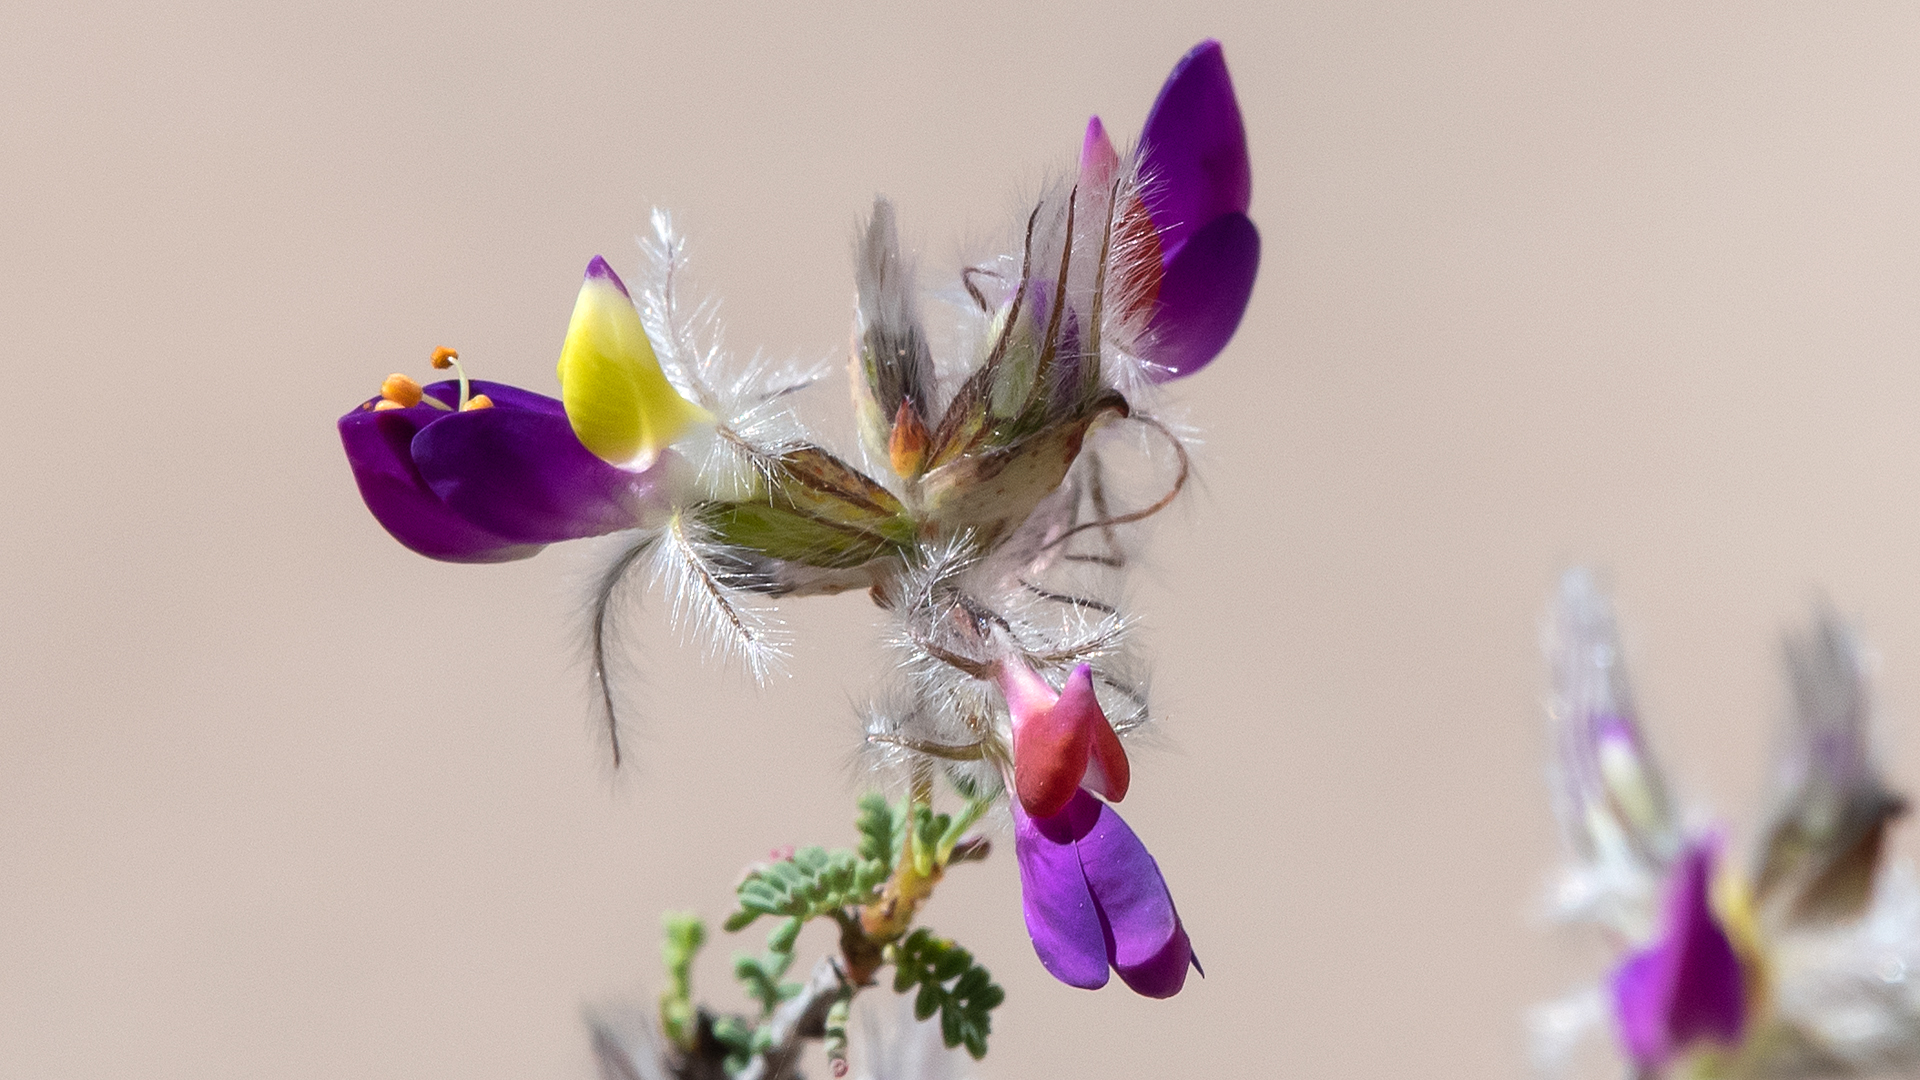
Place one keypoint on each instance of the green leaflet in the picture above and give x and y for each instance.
(761, 977)
(812, 883)
(949, 982)
(882, 829)
(905, 836)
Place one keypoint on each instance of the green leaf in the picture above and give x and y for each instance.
(835, 1034)
(814, 882)
(880, 838)
(761, 978)
(932, 963)
(685, 933)
(783, 936)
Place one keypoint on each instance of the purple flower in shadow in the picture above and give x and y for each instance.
(1687, 987)
(488, 484)
(1095, 899)
(1193, 157)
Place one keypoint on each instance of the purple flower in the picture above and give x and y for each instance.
(483, 484)
(1095, 899)
(1193, 155)
(1687, 987)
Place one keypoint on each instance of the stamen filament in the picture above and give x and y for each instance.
(444, 358)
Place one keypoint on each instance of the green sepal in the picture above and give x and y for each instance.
(994, 489)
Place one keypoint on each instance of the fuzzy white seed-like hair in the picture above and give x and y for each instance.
(705, 605)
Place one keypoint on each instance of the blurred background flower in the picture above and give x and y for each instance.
(1795, 966)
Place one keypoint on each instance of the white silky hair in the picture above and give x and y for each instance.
(1557, 1029)
(752, 401)
(729, 622)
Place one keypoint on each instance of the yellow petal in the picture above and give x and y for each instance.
(619, 402)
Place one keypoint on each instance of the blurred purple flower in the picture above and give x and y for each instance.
(1687, 987)
(1799, 965)
(1095, 899)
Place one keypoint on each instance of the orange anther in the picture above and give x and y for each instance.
(400, 390)
(384, 404)
(477, 401)
(444, 357)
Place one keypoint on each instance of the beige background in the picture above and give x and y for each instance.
(1543, 283)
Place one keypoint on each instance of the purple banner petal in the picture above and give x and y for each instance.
(1195, 148)
(1203, 294)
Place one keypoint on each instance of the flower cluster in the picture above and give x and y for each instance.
(1799, 967)
(1005, 448)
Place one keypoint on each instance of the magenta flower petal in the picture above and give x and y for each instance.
(1094, 898)
(1204, 290)
(1195, 149)
(1061, 917)
(379, 448)
(1148, 945)
(518, 470)
(1162, 973)
(1687, 987)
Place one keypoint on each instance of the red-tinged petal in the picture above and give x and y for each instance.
(1194, 148)
(518, 470)
(379, 451)
(1149, 947)
(1061, 917)
(1050, 745)
(1049, 761)
(1107, 772)
(1204, 291)
(1026, 692)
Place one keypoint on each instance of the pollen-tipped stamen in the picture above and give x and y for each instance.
(401, 390)
(444, 358)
